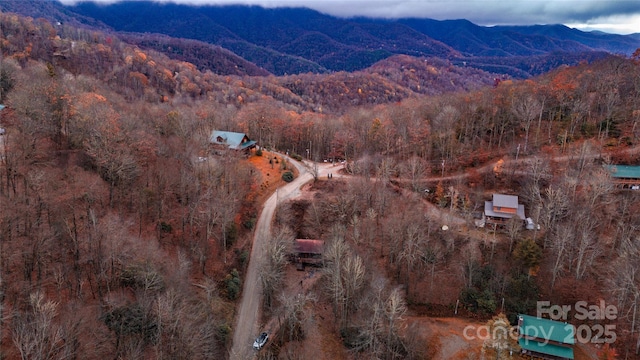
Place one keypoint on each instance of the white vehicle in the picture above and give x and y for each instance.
(530, 225)
(260, 341)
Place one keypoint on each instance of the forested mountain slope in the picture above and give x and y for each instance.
(152, 75)
(296, 40)
(118, 240)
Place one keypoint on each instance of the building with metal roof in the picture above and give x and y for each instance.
(545, 339)
(231, 140)
(502, 208)
(625, 176)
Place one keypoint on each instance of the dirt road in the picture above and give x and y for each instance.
(506, 163)
(247, 326)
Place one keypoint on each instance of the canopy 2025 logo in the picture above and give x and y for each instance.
(583, 311)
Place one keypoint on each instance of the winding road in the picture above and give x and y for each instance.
(247, 322)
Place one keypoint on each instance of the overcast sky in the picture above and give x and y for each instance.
(614, 16)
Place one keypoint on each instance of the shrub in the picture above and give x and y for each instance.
(165, 227)
(521, 295)
(232, 281)
(528, 253)
(132, 320)
(231, 234)
(224, 333)
(352, 337)
(259, 152)
(287, 176)
(486, 302)
(243, 258)
(142, 277)
(249, 223)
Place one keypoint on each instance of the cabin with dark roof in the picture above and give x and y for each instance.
(307, 252)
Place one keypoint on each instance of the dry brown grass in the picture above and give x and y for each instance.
(270, 173)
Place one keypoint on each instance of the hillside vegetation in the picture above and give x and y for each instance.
(286, 41)
(296, 40)
(116, 240)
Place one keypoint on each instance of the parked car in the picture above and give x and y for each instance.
(260, 341)
(530, 225)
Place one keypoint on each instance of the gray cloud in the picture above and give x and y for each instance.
(621, 16)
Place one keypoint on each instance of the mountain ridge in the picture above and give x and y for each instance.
(285, 41)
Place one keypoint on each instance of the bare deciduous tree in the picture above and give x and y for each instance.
(380, 331)
(599, 187)
(109, 148)
(470, 262)
(446, 122)
(412, 249)
(35, 331)
(353, 271)
(2, 319)
(271, 275)
(345, 273)
(187, 328)
(538, 169)
(395, 308)
(554, 208)
(293, 316)
(433, 254)
(514, 228)
(625, 285)
(561, 241)
(587, 247)
(526, 107)
(414, 169)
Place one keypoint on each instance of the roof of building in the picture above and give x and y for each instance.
(308, 246)
(488, 211)
(508, 201)
(624, 171)
(546, 348)
(546, 336)
(232, 139)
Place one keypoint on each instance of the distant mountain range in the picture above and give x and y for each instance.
(297, 40)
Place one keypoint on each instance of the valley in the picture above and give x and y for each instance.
(129, 230)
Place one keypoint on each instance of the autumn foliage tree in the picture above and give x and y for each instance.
(112, 220)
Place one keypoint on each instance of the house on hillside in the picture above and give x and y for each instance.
(307, 252)
(545, 339)
(223, 140)
(502, 208)
(625, 176)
